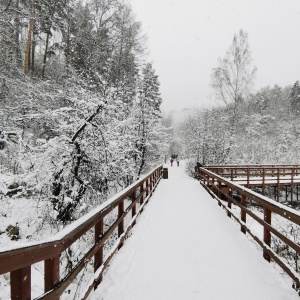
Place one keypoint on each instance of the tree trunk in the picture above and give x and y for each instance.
(33, 44)
(28, 46)
(45, 53)
(17, 33)
(143, 148)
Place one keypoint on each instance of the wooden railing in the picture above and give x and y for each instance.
(262, 176)
(223, 189)
(18, 261)
(258, 171)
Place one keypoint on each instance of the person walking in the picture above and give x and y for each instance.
(171, 161)
(177, 162)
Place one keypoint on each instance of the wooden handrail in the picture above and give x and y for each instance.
(261, 175)
(222, 188)
(18, 260)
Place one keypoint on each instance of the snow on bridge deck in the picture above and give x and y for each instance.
(185, 247)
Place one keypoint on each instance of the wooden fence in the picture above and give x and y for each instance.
(263, 172)
(263, 176)
(224, 189)
(18, 261)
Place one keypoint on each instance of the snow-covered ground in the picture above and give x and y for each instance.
(185, 247)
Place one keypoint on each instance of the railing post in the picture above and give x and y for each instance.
(267, 233)
(263, 181)
(229, 202)
(20, 284)
(278, 183)
(121, 224)
(153, 182)
(292, 184)
(133, 211)
(98, 258)
(147, 186)
(248, 177)
(51, 266)
(243, 213)
(142, 192)
(219, 192)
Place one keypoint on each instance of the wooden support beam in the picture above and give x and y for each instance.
(20, 284)
(267, 233)
(51, 273)
(263, 181)
(243, 213)
(278, 184)
(121, 224)
(98, 257)
(229, 202)
(133, 211)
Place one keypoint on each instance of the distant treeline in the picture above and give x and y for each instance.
(266, 129)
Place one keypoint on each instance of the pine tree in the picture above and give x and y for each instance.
(295, 97)
(149, 112)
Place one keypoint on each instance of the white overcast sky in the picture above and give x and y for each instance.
(186, 38)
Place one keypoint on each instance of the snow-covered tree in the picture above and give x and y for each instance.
(295, 97)
(148, 109)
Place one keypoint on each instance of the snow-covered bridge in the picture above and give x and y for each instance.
(183, 246)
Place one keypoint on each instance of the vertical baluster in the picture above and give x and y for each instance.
(98, 258)
(147, 186)
(133, 211)
(278, 184)
(229, 202)
(219, 192)
(121, 224)
(243, 213)
(153, 183)
(263, 181)
(248, 177)
(20, 284)
(51, 266)
(142, 192)
(292, 184)
(267, 233)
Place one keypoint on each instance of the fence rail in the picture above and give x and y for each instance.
(224, 189)
(18, 261)
(263, 171)
(262, 176)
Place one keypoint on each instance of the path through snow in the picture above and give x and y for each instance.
(185, 247)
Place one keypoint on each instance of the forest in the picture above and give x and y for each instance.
(80, 104)
(245, 126)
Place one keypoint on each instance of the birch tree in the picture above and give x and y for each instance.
(232, 80)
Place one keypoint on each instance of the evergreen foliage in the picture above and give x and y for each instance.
(79, 113)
